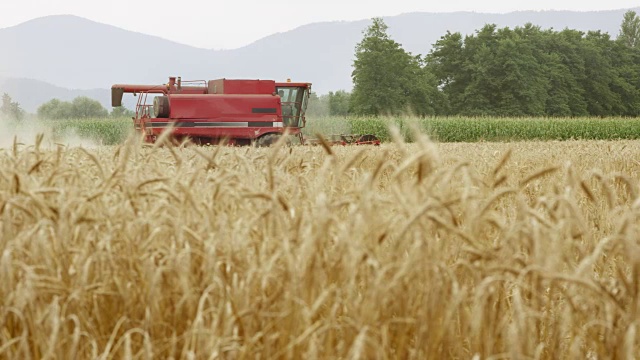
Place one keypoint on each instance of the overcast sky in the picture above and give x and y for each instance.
(227, 24)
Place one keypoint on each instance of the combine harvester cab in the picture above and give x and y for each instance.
(239, 112)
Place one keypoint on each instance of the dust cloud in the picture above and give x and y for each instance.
(25, 133)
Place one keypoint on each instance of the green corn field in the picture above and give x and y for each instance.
(442, 129)
(465, 129)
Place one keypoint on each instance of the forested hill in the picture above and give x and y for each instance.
(521, 71)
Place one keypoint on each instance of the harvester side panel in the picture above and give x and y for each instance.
(217, 116)
(225, 107)
(234, 86)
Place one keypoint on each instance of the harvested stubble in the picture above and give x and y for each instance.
(392, 252)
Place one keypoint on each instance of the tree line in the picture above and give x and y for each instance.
(81, 107)
(10, 109)
(525, 71)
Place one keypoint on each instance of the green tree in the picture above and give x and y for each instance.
(384, 75)
(600, 76)
(424, 96)
(55, 109)
(626, 83)
(80, 108)
(339, 103)
(481, 94)
(630, 30)
(494, 72)
(522, 72)
(85, 107)
(318, 105)
(446, 64)
(122, 112)
(530, 72)
(566, 71)
(10, 109)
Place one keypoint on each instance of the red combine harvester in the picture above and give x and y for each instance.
(241, 112)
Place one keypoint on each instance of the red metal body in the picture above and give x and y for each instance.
(238, 111)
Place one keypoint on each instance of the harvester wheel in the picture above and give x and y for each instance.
(268, 140)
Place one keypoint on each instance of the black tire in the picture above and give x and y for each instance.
(268, 140)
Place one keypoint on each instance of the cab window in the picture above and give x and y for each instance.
(294, 103)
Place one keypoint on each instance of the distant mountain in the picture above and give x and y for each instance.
(77, 53)
(33, 93)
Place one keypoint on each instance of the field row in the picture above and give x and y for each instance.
(453, 129)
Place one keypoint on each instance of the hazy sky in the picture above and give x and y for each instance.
(234, 23)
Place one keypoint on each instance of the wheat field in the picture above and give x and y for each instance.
(404, 251)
